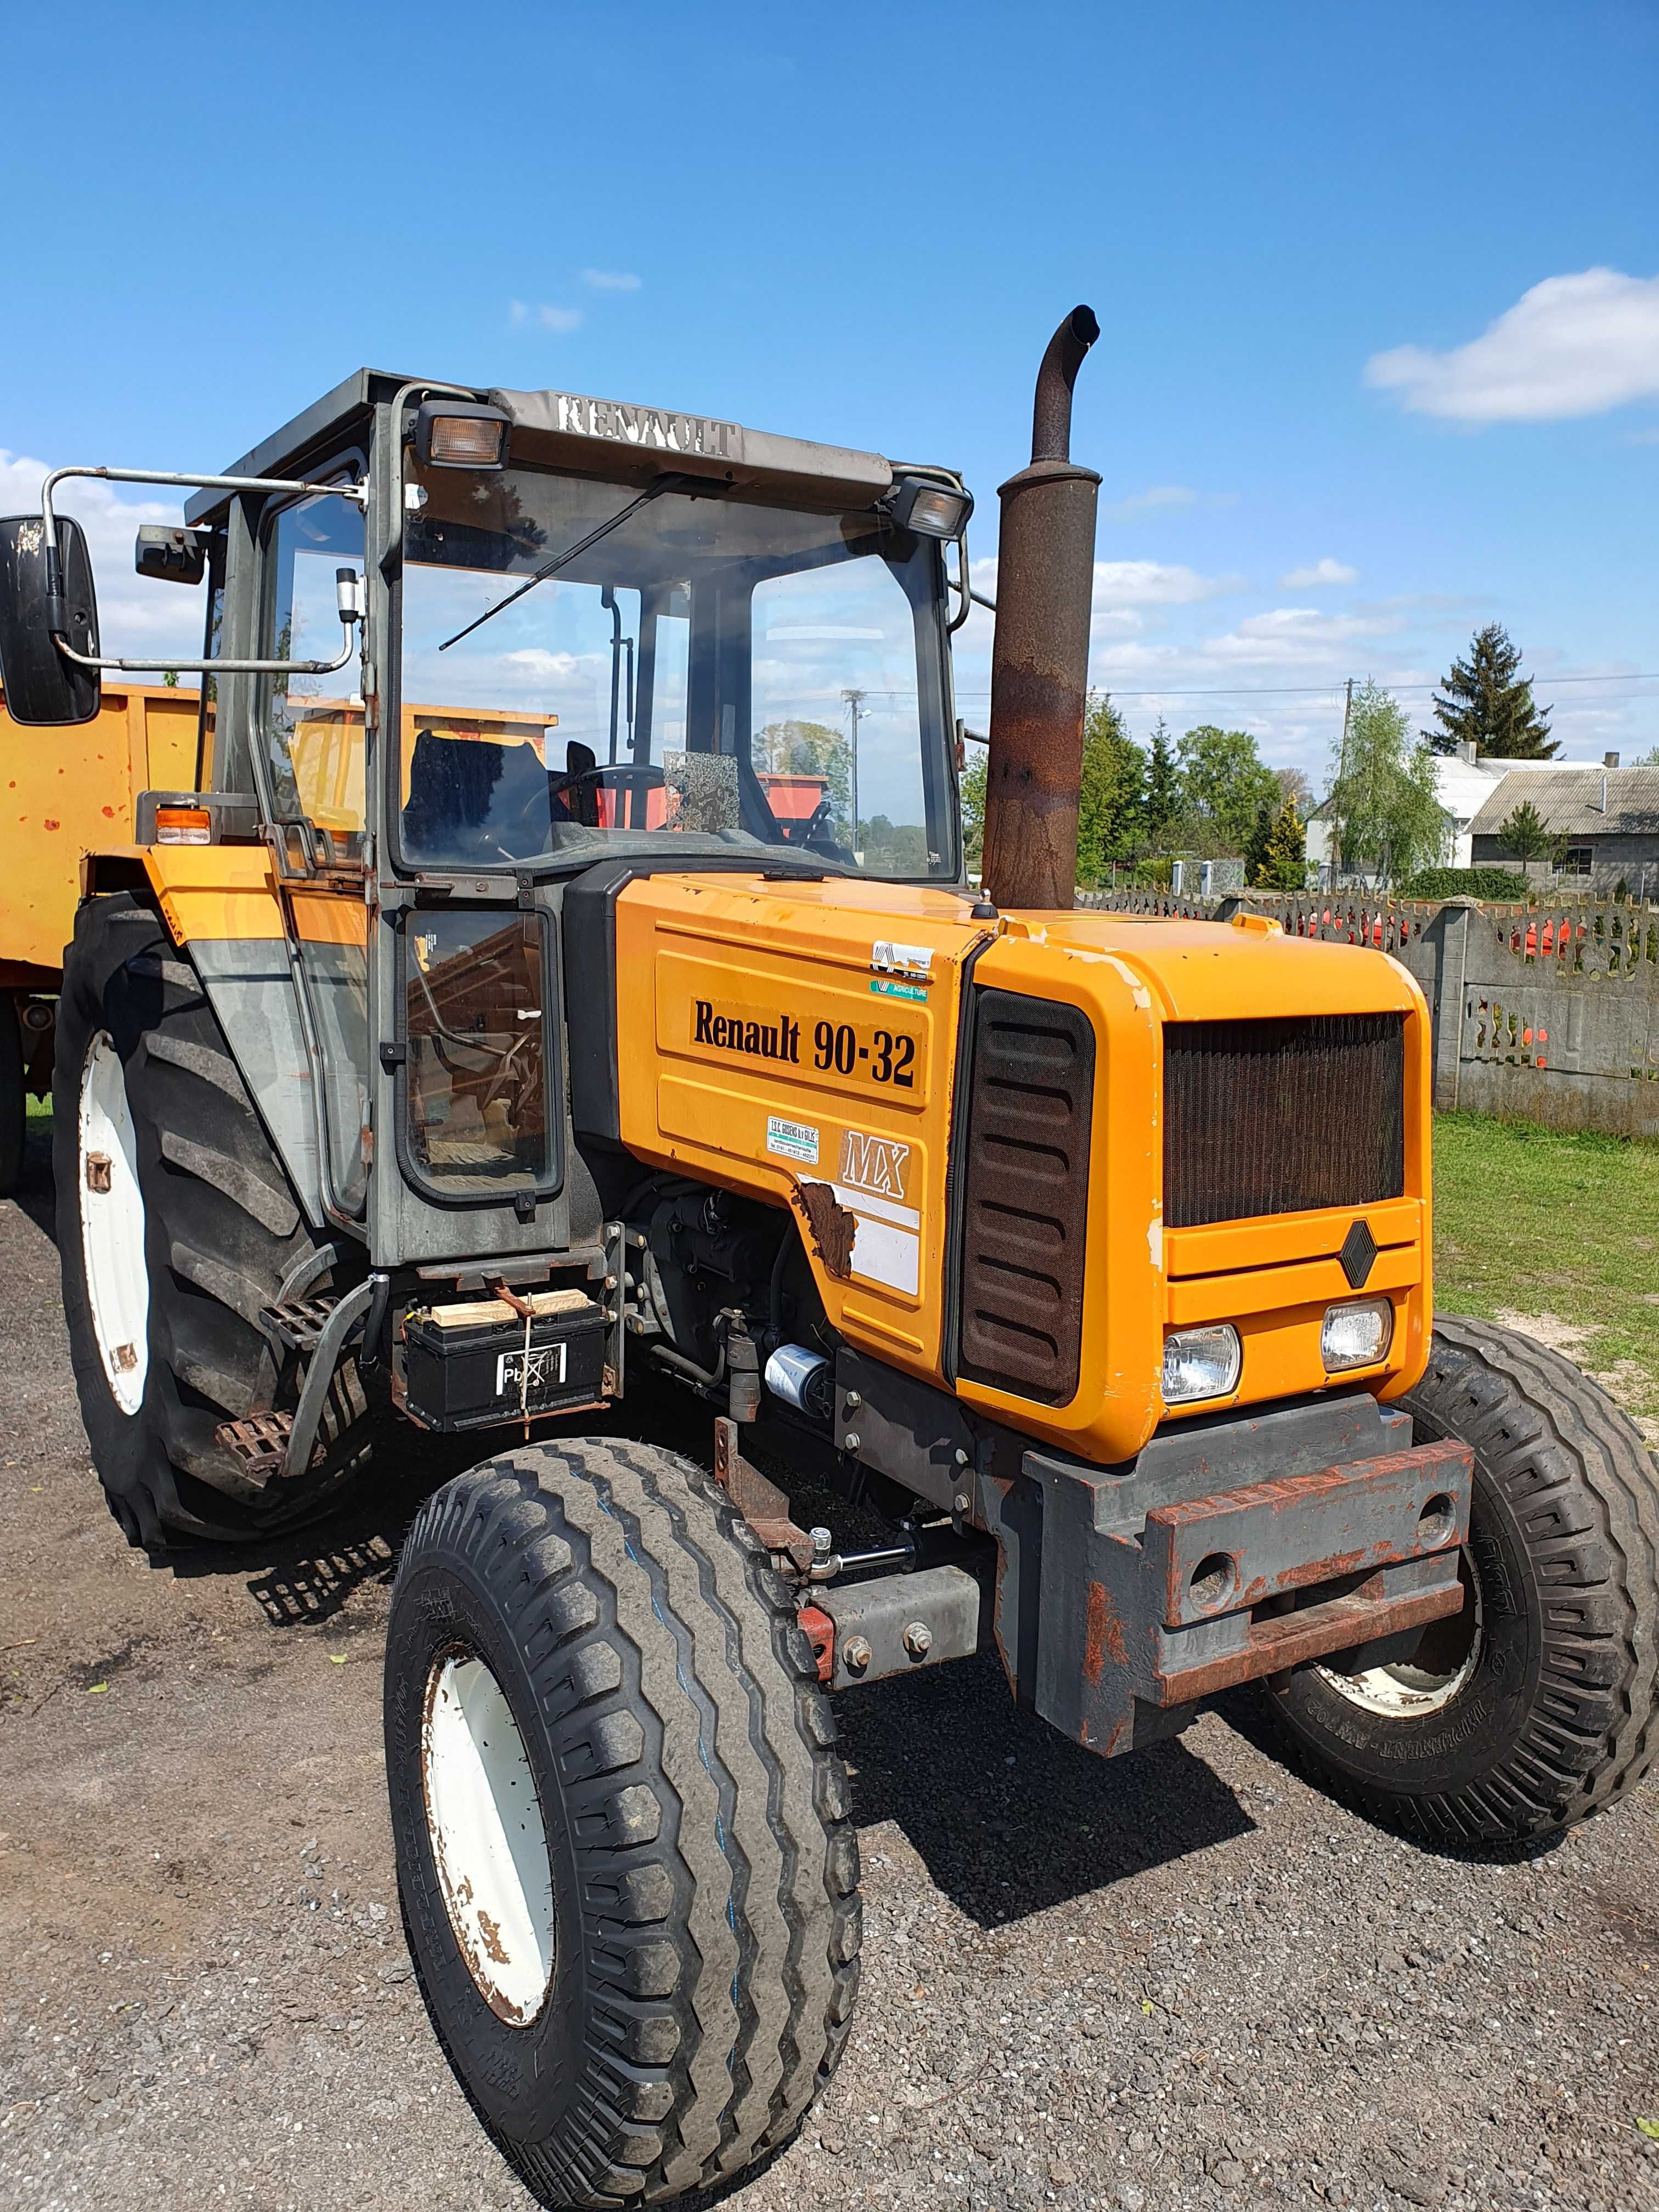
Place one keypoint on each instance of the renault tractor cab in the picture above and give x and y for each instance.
(460, 645)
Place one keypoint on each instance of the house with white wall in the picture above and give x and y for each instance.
(1467, 786)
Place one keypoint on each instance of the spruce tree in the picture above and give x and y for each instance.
(1256, 847)
(1489, 700)
(1283, 864)
(1163, 790)
(1525, 834)
(1111, 803)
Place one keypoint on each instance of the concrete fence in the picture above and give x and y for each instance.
(1549, 1012)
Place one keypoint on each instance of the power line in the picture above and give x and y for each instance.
(1330, 689)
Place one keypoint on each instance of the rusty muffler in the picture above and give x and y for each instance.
(1040, 660)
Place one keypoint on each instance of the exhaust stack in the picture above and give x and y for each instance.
(1040, 659)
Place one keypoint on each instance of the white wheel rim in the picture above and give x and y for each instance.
(485, 1823)
(1406, 1691)
(113, 1226)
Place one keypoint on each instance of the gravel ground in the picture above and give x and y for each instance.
(1180, 1979)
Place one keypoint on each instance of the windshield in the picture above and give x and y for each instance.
(706, 670)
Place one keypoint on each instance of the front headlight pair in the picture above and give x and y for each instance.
(1205, 1362)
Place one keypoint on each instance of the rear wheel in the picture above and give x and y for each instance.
(1537, 1704)
(626, 1868)
(176, 1226)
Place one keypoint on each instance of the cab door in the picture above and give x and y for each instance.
(308, 739)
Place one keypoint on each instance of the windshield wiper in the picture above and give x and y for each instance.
(698, 487)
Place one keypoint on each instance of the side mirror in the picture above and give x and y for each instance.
(41, 686)
(173, 557)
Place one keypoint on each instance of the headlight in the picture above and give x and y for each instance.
(1200, 1362)
(1356, 1336)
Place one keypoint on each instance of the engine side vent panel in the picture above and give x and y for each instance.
(1282, 1116)
(1025, 1154)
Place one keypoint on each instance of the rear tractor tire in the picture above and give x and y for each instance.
(627, 1868)
(176, 1224)
(1539, 1704)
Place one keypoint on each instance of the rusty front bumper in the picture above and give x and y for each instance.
(1125, 1597)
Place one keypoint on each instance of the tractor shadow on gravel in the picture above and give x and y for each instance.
(1007, 1816)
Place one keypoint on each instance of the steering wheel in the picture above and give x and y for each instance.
(623, 777)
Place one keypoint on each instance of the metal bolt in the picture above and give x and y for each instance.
(854, 1402)
(961, 1456)
(821, 1542)
(918, 1638)
(857, 1655)
(961, 1502)
(850, 1441)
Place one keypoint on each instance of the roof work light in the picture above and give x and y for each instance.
(932, 510)
(459, 434)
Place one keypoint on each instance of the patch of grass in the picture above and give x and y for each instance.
(38, 1110)
(1535, 1221)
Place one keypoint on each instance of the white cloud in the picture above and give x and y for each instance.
(1156, 584)
(1295, 636)
(1154, 497)
(606, 280)
(1120, 585)
(550, 318)
(1571, 346)
(536, 660)
(1319, 572)
(136, 614)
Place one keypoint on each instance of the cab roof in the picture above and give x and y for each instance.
(605, 437)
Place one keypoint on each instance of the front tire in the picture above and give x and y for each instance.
(1538, 1706)
(628, 1872)
(176, 1226)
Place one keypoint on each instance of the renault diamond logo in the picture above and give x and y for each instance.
(1358, 1254)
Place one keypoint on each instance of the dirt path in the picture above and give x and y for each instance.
(1183, 1979)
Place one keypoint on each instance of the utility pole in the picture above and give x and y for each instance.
(855, 702)
(1341, 764)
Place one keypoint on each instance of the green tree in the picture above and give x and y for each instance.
(794, 748)
(1163, 789)
(1225, 783)
(1525, 834)
(1385, 809)
(1489, 700)
(973, 806)
(1111, 798)
(896, 849)
(1277, 859)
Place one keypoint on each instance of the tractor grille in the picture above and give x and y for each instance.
(1281, 1116)
(1025, 1197)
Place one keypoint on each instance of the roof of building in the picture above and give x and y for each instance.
(1591, 802)
(1464, 787)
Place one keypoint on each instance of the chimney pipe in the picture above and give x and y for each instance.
(1609, 760)
(1040, 659)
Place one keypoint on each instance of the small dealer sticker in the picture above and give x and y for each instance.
(795, 1140)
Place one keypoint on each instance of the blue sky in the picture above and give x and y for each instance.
(1339, 422)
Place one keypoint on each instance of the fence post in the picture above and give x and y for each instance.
(1452, 931)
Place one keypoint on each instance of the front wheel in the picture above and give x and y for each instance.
(627, 1868)
(1537, 1705)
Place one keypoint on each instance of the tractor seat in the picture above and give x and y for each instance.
(471, 797)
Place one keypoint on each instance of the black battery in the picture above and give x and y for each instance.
(467, 1366)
